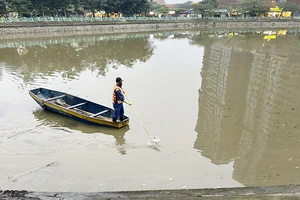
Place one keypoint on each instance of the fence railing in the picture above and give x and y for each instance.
(37, 19)
(93, 19)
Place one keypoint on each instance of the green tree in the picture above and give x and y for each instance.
(286, 6)
(143, 8)
(179, 10)
(39, 7)
(213, 3)
(94, 5)
(55, 6)
(203, 9)
(236, 10)
(162, 9)
(19, 6)
(112, 6)
(76, 4)
(255, 7)
(154, 6)
(131, 7)
(186, 6)
(158, 8)
(2, 7)
(65, 5)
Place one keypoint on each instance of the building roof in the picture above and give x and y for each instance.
(169, 6)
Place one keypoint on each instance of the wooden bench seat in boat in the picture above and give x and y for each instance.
(54, 98)
(99, 113)
(77, 105)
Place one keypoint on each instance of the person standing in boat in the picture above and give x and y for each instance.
(118, 98)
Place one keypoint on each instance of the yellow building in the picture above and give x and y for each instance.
(278, 12)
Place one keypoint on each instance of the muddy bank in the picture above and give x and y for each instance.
(57, 28)
(275, 192)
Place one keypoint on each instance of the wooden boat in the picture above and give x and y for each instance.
(75, 107)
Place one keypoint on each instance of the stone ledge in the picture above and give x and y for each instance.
(56, 28)
(268, 193)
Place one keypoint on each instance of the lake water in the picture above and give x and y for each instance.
(225, 105)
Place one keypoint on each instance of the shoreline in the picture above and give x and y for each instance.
(70, 28)
(266, 193)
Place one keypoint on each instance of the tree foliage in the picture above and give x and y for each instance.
(186, 6)
(63, 7)
(94, 5)
(255, 7)
(39, 6)
(213, 3)
(288, 6)
(112, 6)
(131, 7)
(203, 9)
(2, 7)
(158, 8)
(20, 6)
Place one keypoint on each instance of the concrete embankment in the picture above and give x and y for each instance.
(53, 28)
(266, 193)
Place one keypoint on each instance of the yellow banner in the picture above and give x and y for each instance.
(282, 32)
(286, 14)
(269, 37)
(276, 9)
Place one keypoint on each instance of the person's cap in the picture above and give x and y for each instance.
(118, 79)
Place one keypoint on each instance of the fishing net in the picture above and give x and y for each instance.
(155, 140)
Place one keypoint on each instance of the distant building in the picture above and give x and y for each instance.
(170, 6)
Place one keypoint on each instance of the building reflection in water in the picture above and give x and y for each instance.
(249, 105)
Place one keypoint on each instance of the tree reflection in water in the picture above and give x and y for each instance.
(72, 56)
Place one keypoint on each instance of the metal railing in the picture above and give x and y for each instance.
(32, 19)
(105, 19)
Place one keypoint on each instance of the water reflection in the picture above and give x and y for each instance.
(248, 105)
(54, 120)
(248, 101)
(173, 35)
(69, 56)
(72, 56)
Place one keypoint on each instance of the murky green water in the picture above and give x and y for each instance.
(226, 107)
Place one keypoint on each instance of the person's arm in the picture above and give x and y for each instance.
(119, 95)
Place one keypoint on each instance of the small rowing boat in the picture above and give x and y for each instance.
(75, 107)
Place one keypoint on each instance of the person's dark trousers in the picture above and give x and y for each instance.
(118, 112)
